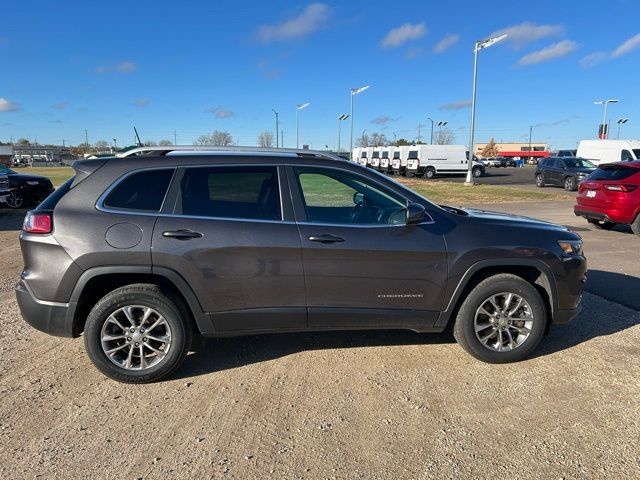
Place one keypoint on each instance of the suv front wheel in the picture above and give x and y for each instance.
(501, 320)
(137, 334)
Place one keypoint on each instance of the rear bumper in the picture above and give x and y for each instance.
(614, 216)
(50, 317)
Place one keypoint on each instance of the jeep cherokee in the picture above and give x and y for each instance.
(141, 252)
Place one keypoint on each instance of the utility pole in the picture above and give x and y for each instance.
(86, 141)
(530, 130)
(431, 120)
(277, 137)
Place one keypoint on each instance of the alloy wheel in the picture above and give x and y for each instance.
(503, 322)
(15, 200)
(135, 337)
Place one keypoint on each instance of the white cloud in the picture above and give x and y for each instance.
(627, 46)
(403, 34)
(446, 43)
(527, 32)
(456, 105)
(221, 112)
(122, 67)
(593, 59)
(312, 18)
(142, 102)
(557, 50)
(8, 106)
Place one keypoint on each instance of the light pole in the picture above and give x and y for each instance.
(604, 119)
(479, 45)
(354, 91)
(620, 122)
(530, 132)
(341, 118)
(299, 107)
(277, 137)
(395, 139)
(431, 120)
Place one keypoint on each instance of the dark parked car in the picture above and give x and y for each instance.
(139, 253)
(567, 172)
(611, 195)
(25, 189)
(507, 162)
(567, 153)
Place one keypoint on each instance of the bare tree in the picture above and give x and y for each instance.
(265, 139)
(150, 143)
(378, 140)
(204, 140)
(221, 138)
(363, 141)
(444, 137)
(101, 145)
(165, 143)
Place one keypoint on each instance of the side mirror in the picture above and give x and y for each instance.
(415, 213)
(358, 197)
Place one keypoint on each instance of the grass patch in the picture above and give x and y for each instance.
(57, 175)
(451, 193)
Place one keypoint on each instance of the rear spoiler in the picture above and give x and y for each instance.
(84, 168)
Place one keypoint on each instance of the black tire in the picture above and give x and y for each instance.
(410, 174)
(635, 226)
(540, 180)
(601, 224)
(477, 172)
(429, 173)
(463, 329)
(173, 311)
(570, 184)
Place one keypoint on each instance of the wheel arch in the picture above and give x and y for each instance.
(535, 272)
(95, 283)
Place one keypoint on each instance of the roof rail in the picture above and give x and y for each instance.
(214, 150)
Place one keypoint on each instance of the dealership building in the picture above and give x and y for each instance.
(517, 150)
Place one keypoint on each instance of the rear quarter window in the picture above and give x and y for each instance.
(142, 191)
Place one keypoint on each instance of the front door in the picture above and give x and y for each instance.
(364, 267)
(228, 239)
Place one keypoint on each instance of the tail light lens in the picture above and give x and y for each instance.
(38, 222)
(621, 188)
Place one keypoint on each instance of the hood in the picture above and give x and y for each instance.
(506, 219)
(26, 176)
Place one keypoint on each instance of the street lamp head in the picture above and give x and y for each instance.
(622, 120)
(300, 106)
(480, 44)
(355, 91)
(604, 102)
(344, 116)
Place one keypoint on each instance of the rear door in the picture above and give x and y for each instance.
(364, 267)
(231, 237)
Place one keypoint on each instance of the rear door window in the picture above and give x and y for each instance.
(246, 192)
(413, 154)
(625, 155)
(141, 191)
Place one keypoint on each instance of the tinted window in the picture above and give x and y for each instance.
(343, 198)
(385, 154)
(626, 155)
(612, 173)
(143, 191)
(363, 155)
(578, 163)
(396, 155)
(413, 154)
(375, 155)
(636, 152)
(52, 200)
(231, 192)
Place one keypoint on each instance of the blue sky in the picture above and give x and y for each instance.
(197, 66)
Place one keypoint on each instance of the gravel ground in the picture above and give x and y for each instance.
(327, 405)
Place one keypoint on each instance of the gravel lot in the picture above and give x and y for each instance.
(338, 405)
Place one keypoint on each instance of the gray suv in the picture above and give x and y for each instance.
(140, 253)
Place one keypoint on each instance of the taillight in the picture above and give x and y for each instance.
(38, 222)
(621, 188)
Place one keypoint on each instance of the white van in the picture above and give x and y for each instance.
(385, 159)
(431, 160)
(355, 156)
(375, 158)
(396, 166)
(363, 155)
(609, 151)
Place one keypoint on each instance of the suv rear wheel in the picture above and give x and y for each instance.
(539, 180)
(137, 334)
(570, 184)
(501, 320)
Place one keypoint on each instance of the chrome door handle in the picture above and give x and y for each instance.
(326, 238)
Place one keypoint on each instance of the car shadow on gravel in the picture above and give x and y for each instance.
(218, 354)
(596, 318)
(11, 220)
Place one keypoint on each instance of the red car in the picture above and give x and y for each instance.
(611, 195)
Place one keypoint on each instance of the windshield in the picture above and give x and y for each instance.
(4, 169)
(636, 152)
(578, 163)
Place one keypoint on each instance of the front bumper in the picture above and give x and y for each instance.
(50, 317)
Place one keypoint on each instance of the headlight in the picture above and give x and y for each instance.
(33, 182)
(571, 247)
